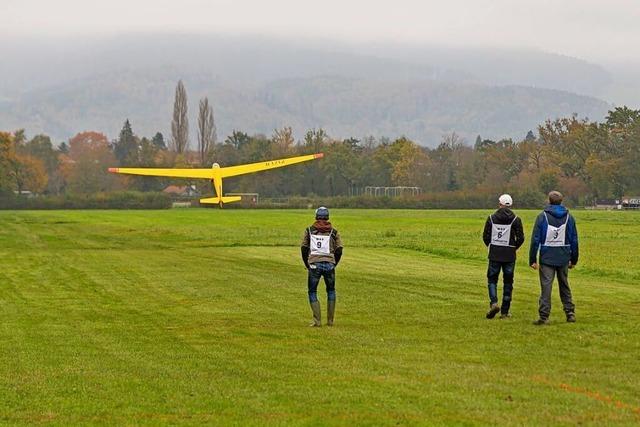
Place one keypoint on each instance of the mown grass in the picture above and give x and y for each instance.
(199, 316)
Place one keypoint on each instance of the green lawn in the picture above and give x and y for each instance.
(200, 316)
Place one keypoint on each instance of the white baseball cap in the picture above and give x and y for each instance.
(505, 200)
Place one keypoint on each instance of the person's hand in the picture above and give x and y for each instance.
(570, 264)
(534, 265)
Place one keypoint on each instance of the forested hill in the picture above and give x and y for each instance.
(259, 85)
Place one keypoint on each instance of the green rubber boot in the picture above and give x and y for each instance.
(331, 310)
(315, 309)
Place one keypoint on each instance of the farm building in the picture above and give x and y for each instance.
(608, 204)
(631, 202)
(182, 191)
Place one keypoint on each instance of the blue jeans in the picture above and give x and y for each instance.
(316, 271)
(493, 273)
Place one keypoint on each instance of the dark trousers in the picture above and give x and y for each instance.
(547, 274)
(493, 273)
(316, 271)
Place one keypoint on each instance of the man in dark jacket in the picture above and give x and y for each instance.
(556, 236)
(503, 234)
(321, 251)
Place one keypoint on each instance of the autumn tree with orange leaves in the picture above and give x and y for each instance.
(7, 157)
(84, 168)
(19, 171)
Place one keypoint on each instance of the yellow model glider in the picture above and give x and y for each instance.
(216, 173)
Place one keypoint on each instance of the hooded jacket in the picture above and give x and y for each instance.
(321, 227)
(557, 256)
(504, 253)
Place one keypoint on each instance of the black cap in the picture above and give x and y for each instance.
(322, 213)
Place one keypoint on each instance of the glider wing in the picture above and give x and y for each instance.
(261, 166)
(176, 173)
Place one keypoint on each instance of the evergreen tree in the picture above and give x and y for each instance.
(237, 139)
(158, 141)
(530, 136)
(125, 147)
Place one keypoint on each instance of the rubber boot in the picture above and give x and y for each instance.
(315, 309)
(331, 310)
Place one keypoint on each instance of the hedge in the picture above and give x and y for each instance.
(152, 200)
(115, 200)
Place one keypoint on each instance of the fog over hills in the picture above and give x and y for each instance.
(61, 87)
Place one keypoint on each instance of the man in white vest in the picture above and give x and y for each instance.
(503, 234)
(556, 237)
(321, 250)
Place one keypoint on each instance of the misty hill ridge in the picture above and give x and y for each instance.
(257, 86)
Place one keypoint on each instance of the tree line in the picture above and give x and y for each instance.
(585, 159)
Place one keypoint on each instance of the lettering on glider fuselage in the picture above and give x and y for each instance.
(274, 163)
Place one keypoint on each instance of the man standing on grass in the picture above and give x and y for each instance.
(503, 234)
(321, 252)
(556, 236)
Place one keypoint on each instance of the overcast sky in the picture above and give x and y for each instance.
(596, 30)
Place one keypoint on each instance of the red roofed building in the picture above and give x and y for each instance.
(180, 191)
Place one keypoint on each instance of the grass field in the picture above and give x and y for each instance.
(200, 316)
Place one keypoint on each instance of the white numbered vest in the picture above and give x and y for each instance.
(555, 235)
(319, 244)
(500, 233)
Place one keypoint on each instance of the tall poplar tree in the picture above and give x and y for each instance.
(180, 122)
(206, 130)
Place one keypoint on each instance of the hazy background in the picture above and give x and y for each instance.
(418, 68)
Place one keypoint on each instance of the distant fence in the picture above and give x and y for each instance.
(181, 204)
(275, 201)
(247, 199)
(391, 191)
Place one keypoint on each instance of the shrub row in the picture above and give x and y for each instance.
(115, 200)
(444, 200)
(152, 200)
